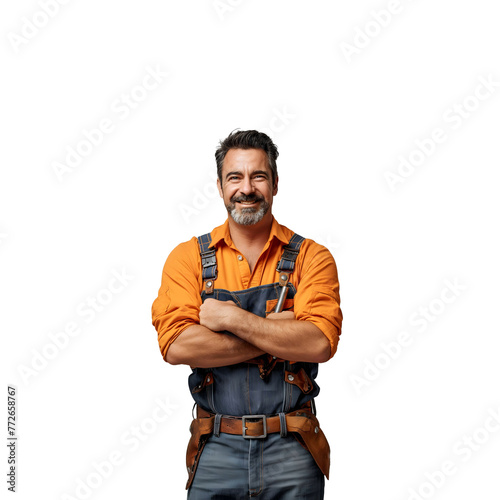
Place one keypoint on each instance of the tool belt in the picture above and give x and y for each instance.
(302, 423)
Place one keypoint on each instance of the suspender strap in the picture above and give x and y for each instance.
(208, 262)
(290, 252)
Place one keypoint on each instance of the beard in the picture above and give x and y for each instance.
(247, 216)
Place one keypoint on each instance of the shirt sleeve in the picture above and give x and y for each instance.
(317, 299)
(178, 303)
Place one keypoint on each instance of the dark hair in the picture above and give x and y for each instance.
(247, 139)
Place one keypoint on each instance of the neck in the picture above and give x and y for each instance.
(253, 236)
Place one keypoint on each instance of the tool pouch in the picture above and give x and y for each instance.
(200, 432)
(310, 435)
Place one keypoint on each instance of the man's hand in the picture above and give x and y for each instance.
(285, 339)
(217, 315)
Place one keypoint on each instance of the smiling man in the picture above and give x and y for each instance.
(253, 366)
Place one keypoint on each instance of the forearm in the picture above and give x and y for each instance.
(200, 347)
(285, 339)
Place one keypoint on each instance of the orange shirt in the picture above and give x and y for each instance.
(315, 278)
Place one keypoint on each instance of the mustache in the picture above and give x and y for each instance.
(251, 198)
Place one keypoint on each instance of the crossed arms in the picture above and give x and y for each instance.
(191, 332)
(203, 346)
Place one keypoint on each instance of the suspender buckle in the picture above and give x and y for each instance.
(208, 259)
(290, 254)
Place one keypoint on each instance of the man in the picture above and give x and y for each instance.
(254, 367)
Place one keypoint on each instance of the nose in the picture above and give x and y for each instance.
(246, 186)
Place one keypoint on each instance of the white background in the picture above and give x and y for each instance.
(341, 122)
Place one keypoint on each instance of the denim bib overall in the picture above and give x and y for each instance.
(275, 466)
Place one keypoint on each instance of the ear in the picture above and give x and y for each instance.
(275, 188)
(219, 187)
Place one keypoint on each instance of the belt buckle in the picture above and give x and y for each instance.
(244, 418)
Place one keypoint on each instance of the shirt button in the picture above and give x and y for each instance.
(291, 378)
(240, 257)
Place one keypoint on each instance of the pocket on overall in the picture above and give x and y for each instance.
(271, 305)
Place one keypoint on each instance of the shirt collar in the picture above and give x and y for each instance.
(222, 233)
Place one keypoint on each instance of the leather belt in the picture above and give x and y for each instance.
(257, 426)
(249, 426)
